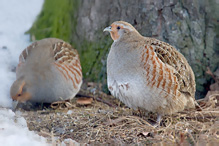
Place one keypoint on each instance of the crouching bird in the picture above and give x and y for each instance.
(49, 70)
(147, 73)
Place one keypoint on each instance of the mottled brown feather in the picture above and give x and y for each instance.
(67, 59)
(169, 55)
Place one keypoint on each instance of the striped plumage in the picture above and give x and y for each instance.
(49, 70)
(147, 73)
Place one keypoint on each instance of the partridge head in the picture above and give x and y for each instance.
(147, 73)
(49, 70)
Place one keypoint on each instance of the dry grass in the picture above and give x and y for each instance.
(107, 121)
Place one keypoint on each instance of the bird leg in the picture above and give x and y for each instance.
(159, 118)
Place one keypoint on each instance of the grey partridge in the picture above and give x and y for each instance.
(147, 73)
(49, 70)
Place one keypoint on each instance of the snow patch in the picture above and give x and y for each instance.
(14, 131)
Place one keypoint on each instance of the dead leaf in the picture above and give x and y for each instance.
(84, 101)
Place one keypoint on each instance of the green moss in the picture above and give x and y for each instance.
(93, 56)
(55, 20)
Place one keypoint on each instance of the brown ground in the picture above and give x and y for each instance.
(107, 121)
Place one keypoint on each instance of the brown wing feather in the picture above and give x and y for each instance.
(64, 52)
(67, 62)
(25, 52)
(169, 55)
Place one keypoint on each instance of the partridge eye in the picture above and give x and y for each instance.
(19, 94)
(118, 27)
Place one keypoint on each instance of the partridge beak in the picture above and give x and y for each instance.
(14, 105)
(108, 29)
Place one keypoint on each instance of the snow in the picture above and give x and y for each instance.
(16, 17)
(14, 131)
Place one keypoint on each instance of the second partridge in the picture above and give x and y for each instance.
(49, 70)
(147, 73)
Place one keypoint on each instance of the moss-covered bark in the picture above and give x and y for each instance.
(55, 20)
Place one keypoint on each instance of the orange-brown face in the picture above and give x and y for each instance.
(114, 31)
(22, 97)
(119, 28)
(18, 93)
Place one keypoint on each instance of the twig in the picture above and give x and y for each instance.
(210, 73)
